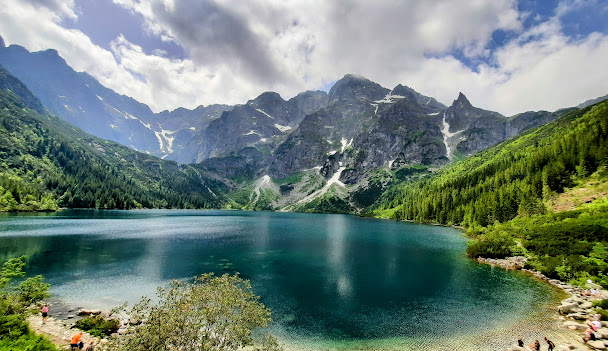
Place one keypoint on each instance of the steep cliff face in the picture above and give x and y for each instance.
(470, 129)
(263, 122)
(329, 130)
(401, 133)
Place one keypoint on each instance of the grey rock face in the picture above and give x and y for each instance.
(263, 122)
(248, 163)
(477, 129)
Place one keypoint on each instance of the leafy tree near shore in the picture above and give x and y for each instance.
(213, 313)
(14, 301)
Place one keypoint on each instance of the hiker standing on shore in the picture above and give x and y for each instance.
(550, 344)
(45, 312)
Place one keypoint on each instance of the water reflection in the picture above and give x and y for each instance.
(326, 277)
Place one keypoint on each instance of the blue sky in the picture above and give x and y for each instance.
(505, 55)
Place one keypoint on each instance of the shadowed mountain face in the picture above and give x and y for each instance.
(264, 123)
(82, 101)
(45, 158)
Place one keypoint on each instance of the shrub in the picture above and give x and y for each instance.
(490, 248)
(603, 304)
(15, 334)
(603, 314)
(212, 314)
(98, 326)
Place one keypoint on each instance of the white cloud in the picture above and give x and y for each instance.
(238, 52)
(549, 72)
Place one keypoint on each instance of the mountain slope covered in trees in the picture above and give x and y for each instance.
(541, 194)
(46, 163)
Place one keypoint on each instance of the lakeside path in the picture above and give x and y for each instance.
(574, 311)
(59, 327)
(57, 331)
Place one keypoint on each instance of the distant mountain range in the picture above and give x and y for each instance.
(341, 147)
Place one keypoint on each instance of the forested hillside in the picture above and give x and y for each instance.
(508, 197)
(47, 163)
(513, 178)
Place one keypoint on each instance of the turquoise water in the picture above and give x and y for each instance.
(332, 281)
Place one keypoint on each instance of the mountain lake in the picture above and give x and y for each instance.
(332, 281)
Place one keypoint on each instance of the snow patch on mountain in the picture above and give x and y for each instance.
(168, 138)
(446, 137)
(261, 183)
(334, 180)
(345, 144)
(282, 128)
(264, 113)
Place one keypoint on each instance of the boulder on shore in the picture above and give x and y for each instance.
(84, 312)
(597, 344)
(568, 308)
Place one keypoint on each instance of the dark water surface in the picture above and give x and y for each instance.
(332, 281)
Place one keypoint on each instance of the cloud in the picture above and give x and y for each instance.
(290, 46)
(541, 69)
(238, 50)
(63, 8)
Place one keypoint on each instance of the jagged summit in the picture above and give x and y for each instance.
(356, 87)
(51, 52)
(354, 76)
(462, 101)
(2, 43)
(268, 97)
(404, 90)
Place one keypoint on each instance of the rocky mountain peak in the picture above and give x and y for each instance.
(2, 44)
(354, 87)
(461, 101)
(403, 90)
(268, 98)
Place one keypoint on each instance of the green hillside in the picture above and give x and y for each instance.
(511, 197)
(46, 163)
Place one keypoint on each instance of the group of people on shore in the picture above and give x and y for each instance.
(76, 343)
(535, 346)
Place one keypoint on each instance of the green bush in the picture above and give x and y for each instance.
(490, 248)
(603, 314)
(15, 334)
(603, 304)
(98, 326)
(27, 342)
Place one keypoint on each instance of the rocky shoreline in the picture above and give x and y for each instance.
(60, 325)
(574, 311)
